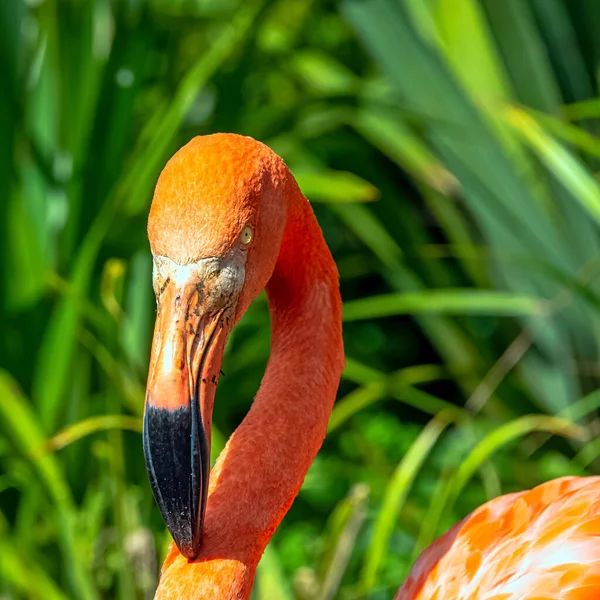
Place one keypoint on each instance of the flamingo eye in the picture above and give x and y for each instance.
(246, 235)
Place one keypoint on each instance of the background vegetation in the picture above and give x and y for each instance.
(450, 149)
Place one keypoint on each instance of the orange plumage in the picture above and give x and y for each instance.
(542, 544)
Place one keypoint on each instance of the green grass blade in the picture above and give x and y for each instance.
(324, 74)
(503, 435)
(450, 486)
(59, 343)
(582, 407)
(394, 498)
(582, 111)
(386, 132)
(22, 426)
(156, 139)
(568, 132)
(138, 310)
(354, 402)
(360, 373)
(456, 302)
(457, 351)
(570, 172)
(340, 540)
(270, 580)
(468, 46)
(563, 46)
(520, 44)
(335, 186)
(26, 576)
(399, 385)
(89, 426)
(371, 232)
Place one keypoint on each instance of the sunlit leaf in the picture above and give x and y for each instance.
(335, 186)
(564, 165)
(395, 497)
(457, 302)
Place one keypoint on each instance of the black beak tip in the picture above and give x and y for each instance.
(187, 538)
(189, 553)
(189, 548)
(176, 456)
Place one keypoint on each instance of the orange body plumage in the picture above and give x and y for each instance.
(542, 544)
(228, 220)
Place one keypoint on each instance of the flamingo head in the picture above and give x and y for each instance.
(215, 228)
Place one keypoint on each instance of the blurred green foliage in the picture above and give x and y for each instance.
(451, 152)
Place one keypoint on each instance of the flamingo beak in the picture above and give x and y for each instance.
(187, 350)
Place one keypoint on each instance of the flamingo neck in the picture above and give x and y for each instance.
(263, 465)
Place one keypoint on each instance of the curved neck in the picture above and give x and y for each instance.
(263, 465)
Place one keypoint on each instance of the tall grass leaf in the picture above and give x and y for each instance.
(335, 186)
(11, 18)
(431, 516)
(89, 426)
(386, 132)
(354, 402)
(456, 302)
(454, 346)
(587, 455)
(563, 47)
(26, 576)
(570, 133)
(461, 235)
(418, 72)
(424, 401)
(552, 389)
(315, 121)
(577, 411)
(371, 232)
(139, 308)
(582, 111)
(21, 425)
(111, 287)
(51, 375)
(469, 48)
(343, 528)
(271, 583)
(423, 16)
(399, 386)
(155, 141)
(120, 518)
(494, 190)
(524, 54)
(570, 172)
(449, 487)
(395, 496)
(491, 182)
(582, 407)
(24, 257)
(418, 374)
(88, 309)
(503, 435)
(323, 73)
(358, 372)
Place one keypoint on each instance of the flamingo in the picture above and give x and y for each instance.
(227, 220)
